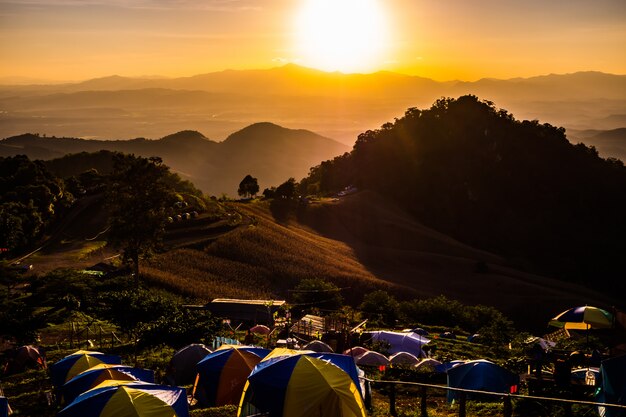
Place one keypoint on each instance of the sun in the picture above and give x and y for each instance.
(341, 35)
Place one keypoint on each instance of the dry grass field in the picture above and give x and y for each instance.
(361, 242)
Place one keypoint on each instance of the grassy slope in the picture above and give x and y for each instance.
(264, 259)
(361, 242)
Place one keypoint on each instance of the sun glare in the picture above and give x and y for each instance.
(341, 35)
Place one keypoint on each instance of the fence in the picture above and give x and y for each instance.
(507, 407)
(86, 335)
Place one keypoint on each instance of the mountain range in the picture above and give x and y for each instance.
(266, 151)
(336, 105)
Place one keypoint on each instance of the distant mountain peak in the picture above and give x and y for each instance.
(185, 135)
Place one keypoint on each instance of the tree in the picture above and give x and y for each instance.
(317, 293)
(380, 308)
(248, 187)
(138, 197)
(286, 190)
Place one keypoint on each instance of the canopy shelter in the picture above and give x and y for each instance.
(480, 375)
(79, 361)
(129, 399)
(403, 358)
(402, 342)
(583, 318)
(260, 329)
(300, 386)
(318, 346)
(182, 367)
(223, 373)
(94, 376)
(27, 356)
(613, 388)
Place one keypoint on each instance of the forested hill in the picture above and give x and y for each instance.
(267, 151)
(516, 188)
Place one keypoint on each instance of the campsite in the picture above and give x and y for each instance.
(320, 298)
(273, 358)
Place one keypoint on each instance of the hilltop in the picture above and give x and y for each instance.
(515, 188)
(269, 152)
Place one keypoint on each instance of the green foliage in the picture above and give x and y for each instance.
(248, 187)
(224, 411)
(139, 195)
(380, 308)
(315, 293)
(18, 320)
(31, 199)
(152, 318)
(442, 311)
(64, 288)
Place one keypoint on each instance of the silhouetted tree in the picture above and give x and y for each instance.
(138, 197)
(248, 187)
(286, 190)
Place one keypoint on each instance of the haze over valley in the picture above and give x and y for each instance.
(335, 105)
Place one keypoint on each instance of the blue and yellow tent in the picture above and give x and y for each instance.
(223, 374)
(345, 362)
(94, 376)
(5, 410)
(300, 386)
(71, 365)
(129, 399)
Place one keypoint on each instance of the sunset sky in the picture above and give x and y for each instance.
(443, 40)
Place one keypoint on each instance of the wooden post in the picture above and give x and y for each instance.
(508, 407)
(392, 400)
(72, 335)
(423, 408)
(368, 395)
(462, 398)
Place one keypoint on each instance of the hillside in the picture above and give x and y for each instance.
(334, 104)
(269, 152)
(393, 252)
(515, 188)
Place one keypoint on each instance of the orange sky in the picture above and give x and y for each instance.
(444, 40)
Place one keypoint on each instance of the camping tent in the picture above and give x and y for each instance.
(428, 364)
(480, 375)
(88, 379)
(344, 362)
(129, 399)
(71, 365)
(182, 366)
(223, 373)
(613, 372)
(300, 386)
(402, 342)
(403, 358)
(318, 346)
(355, 351)
(24, 357)
(5, 410)
(372, 358)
